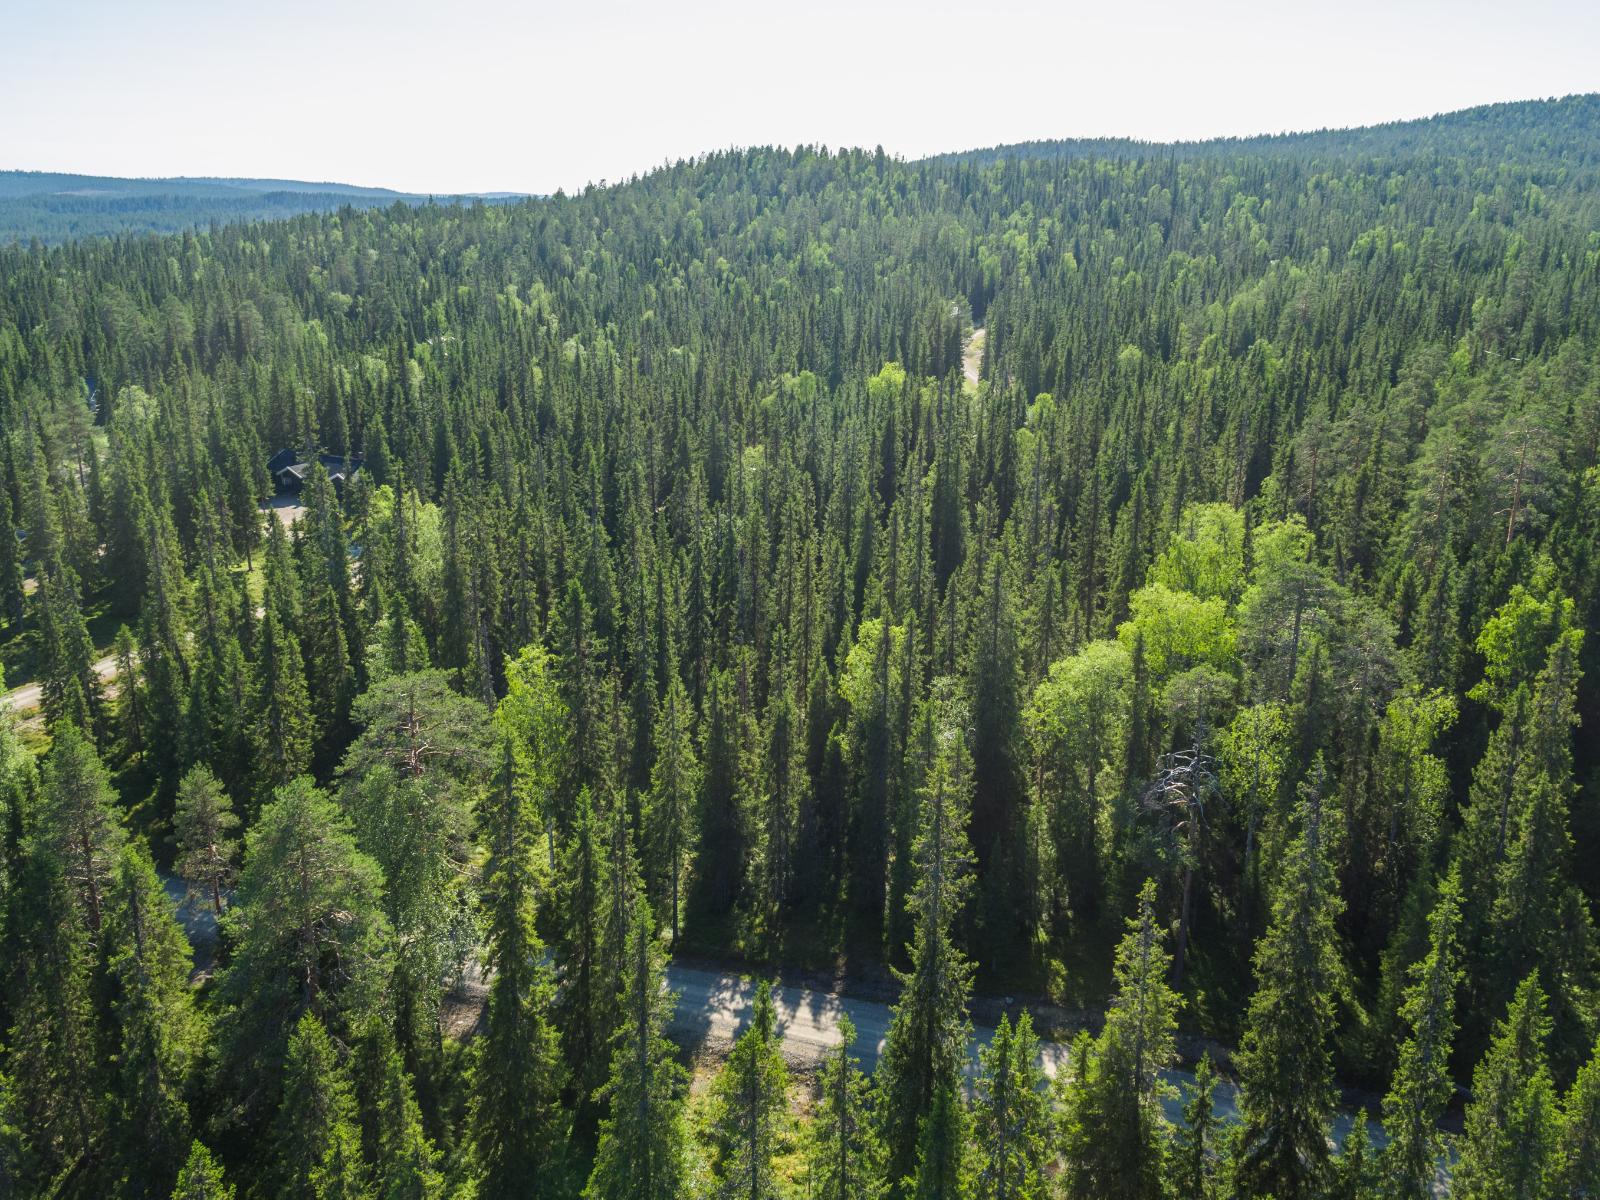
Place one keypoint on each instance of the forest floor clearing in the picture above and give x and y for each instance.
(287, 509)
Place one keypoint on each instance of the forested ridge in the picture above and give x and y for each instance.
(54, 207)
(1222, 661)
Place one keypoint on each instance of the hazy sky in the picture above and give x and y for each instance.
(459, 95)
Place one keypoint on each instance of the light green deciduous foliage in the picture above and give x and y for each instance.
(1180, 631)
(534, 715)
(1254, 754)
(1206, 554)
(750, 1107)
(1513, 1124)
(844, 1158)
(1011, 1117)
(1115, 1134)
(1078, 724)
(1412, 780)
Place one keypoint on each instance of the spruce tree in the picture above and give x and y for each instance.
(844, 1158)
(1197, 1164)
(926, 1047)
(57, 1115)
(77, 822)
(944, 1149)
(1114, 1132)
(642, 1139)
(1011, 1114)
(1286, 1061)
(1580, 1134)
(404, 1161)
(159, 1033)
(202, 1177)
(517, 1073)
(1422, 1085)
(674, 782)
(750, 1103)
(1513, 1124)
(315, 1146)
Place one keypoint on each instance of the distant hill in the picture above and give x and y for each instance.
(55, 207)
(1565, 129)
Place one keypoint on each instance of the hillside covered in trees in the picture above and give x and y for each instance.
(1222, 660)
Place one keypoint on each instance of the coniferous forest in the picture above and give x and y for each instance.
(1156, 586)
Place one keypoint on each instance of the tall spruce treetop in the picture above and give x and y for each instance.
(750, 1102)
(515, 1118)
(1286, 1061)
(926, 1048)
(1422, 1085)
(1513, 1125)
(1115, 1132)
(643, 1143)
(844, 1160)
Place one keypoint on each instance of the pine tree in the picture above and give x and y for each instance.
(1422, 1085)
(1011, 1114)
(78, 823)
(1286, 1064)
(202, 1178)
(1115, 1133)
(309, 934)
(926, 1047)
(517, 1072)
(844, 1158)
(1513, 1125)
(203, 823)
(750, 1102)
(642, 1139)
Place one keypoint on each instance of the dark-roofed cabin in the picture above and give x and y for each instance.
(288, 469)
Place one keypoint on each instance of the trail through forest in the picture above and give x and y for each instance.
(972, 357)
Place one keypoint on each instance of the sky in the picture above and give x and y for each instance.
(496, 95)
